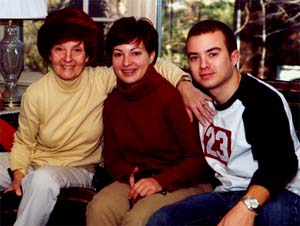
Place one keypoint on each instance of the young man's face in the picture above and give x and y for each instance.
(209, 61)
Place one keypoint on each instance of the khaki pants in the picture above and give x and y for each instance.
(110, 207)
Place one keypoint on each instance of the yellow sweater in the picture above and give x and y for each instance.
(60, 122)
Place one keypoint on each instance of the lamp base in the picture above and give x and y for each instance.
(11, 64)
(11, 98)
(10, 105)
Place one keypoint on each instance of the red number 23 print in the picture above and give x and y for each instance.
(217, 144)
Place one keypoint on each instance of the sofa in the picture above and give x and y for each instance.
(71, 204)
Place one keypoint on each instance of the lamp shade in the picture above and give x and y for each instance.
(23, 9)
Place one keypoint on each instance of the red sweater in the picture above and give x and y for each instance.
(146, 125)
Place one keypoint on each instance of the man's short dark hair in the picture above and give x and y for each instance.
(207, 26)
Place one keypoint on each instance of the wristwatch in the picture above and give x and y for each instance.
(185, 78)
(251, 203)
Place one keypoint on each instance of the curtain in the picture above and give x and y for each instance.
(143, 8)
(22, 9)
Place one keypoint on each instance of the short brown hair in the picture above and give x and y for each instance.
(128, 29)
(207, 26)
(69, 24)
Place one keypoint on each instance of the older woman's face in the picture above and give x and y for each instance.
(130, 61)
(68, 59)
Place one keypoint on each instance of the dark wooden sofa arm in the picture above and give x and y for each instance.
(71, 206)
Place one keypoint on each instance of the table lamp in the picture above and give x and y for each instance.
(11, 48)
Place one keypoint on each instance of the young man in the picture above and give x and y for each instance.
(251, 145)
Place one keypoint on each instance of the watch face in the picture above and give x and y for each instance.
(253, 203)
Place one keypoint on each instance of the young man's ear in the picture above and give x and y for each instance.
(235, 56)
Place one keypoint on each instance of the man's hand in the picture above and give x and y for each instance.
(195, 103)
(238, 215)
(17, 183)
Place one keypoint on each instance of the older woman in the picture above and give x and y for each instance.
(58, 142)
(151, 149)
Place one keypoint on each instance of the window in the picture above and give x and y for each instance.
(178, 16)
(268, 32)
(102, 11)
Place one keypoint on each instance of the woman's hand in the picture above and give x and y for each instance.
(17, 183)
(196, 103)
(143, 187)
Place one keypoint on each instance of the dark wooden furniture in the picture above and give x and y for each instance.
(69, 209)
(291, 91)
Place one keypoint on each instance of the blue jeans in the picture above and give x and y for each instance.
(209, 209)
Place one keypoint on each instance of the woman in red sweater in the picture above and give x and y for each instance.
(151, 149)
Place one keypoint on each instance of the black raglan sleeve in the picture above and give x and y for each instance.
(267, 127)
